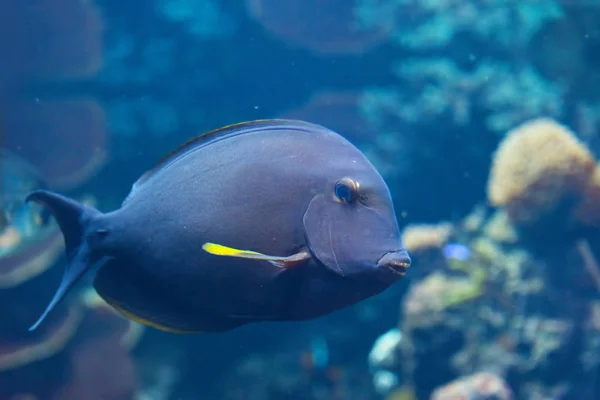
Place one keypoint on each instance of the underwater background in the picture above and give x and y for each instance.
(483, 116)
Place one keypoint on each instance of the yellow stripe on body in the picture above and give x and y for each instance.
(219, 250)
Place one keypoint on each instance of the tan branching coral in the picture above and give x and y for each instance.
(482, 385)
(422, 237)
(499, 228)
(538, 166)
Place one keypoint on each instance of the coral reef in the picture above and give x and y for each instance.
(485, 62)
(475, 314)
(478, 386)
(538, 167)
(493, 302)
(433, 24)
(505, 94)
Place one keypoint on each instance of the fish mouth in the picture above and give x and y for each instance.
(397, 261)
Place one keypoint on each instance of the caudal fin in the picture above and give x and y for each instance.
(73, 219)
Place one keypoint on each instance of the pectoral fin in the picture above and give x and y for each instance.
(281, 262)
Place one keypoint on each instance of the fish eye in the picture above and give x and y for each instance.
(346, 190)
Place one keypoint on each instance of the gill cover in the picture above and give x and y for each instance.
(349, 238)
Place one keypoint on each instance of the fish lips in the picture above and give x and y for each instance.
(396, 261)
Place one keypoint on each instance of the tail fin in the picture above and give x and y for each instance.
(73, 219)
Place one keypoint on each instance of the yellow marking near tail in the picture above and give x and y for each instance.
(219, 250)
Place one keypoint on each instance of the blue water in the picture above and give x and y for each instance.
(93, 93)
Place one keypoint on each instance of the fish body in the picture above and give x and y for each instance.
(243, 224)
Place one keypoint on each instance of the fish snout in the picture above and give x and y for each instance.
(397, 261)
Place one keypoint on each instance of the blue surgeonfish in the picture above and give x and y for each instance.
(269, 220)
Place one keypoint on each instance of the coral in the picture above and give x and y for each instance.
(589, 261)
(424, 238)
(499, 228)
(499, 311)
(587, 209)
(474, 221)
(487, 62)
(499, 81)
(538, 166)
(426, 244)
(403, 393)
(547, 337)
(537, 391)
(507, 94)
(382, 354)
(481, 385)
(383, 357)
(430, 24)
(590, 358)
(427, 301)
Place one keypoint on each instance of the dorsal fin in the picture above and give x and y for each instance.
(219, 134)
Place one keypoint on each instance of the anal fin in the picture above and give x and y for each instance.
(138, 301)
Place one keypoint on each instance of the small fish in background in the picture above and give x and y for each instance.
(316, 364)
(315, 360)
(270, 220)
(456, 251)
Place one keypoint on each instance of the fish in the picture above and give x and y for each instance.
(456, 251)
(266, 220)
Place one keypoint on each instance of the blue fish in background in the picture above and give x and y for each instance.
(270, 220)
(456, 251)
